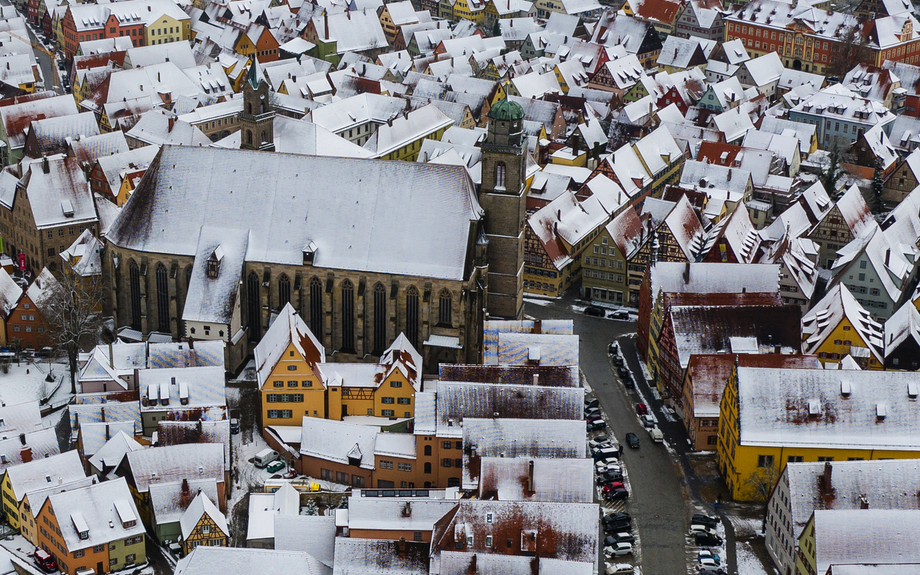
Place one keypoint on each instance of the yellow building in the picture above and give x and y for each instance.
(770, 417)
(20, 480)
(838, 327)
(203, 524)
(167, 29)
(472, 10)
(401, 138)
(296, 382)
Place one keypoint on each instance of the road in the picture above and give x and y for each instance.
(47, 63)
(656, 503)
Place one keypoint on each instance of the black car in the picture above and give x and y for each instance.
(617, 360)
(622, 537)
(591, 402)
(619, 516)
(616, 495)
(595, 311)
(700, 519)
(622, 371)
(609, 477)
(621, 315)
(628, 382)
(707, 540)
(632, 440)
(613, 348)
(617, 527)
(596, 425)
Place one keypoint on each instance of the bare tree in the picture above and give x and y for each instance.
(851, 50)
(72, 307)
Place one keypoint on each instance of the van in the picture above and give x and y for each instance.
(264, 457)
(607, 453)
(656, 435)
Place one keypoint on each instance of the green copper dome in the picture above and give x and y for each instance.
(505, 109)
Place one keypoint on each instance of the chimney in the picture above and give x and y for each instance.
(863, 502)
(172, 122)
(149, 9)
(107, 436)
(530, 476)
(45, 166)
(22, 439)
(827, 486)
(401, 547)
(687, 273)
(111, 359)
(887, 256)
(25, 454)
(536, 379)
(326, 23)
(729, 174)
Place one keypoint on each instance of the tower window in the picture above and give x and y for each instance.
(500, 175)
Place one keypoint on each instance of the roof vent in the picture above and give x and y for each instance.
(881, 411)
(845, 389)
(912, 389)
(814, 408)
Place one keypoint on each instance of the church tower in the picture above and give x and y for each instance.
(257, 118)
(503, 199)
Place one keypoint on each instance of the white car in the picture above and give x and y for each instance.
(618, 550)
(601, 467)
(599, 443)
(702, 529)
(619, 568)
(708, 562)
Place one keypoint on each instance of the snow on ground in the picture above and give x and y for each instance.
(27, 382)
(535, 301)
(745, 526)
(748, 562)
(248, 476)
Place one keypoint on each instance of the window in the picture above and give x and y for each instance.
(387, 413)
(162, 299)
(78, 553)
(316, 307)
(341, 477)
(348, 316)
(796, 459)
(396, 383)
(447, 445)
(284, 291)
(307, 383)
(380, 319)
(280, 414)
(386, 400)
(386, 464)
(446, 462)
(292, 384)
(254, 306)
(488, 540)
(764, 461)
(412, 315)
(427, 466)
(134, 279)
(500, 175)
(404, 466)
(403, 400)
(278, 384)
(825, 458)
(98, 548)
(444, 307)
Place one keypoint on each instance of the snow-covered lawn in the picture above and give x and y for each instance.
(748, 562)
(28, 382)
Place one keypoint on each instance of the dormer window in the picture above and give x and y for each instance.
(214, 262)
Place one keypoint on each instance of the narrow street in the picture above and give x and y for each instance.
(657, 502)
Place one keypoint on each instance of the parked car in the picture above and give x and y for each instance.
(622, 315)
(598, 441)
(711, 570)
(609, 476)
(605, 453)
(617, 527)
(615, 491)
(591, 402)
(622, 371)
(647, 421)
(44, 560)
(617, 360)
(703, 529)
(701, 519)
(656, 434)
(275, 467)
(632, 440)
(613, 348)
(619, 569)
(706, 554)
(618, 550)
(234, 425)
(617, 516)
(709, 562)
(595, 311)
(592, 413)
(596, 425)
(641, 409)
(601, 467)
(622, 537)
(707, 540)
(628, 382)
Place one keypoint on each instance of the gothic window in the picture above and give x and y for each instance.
(500, 175)
(316, 307)
(188, 276)
(348, 316)
(412, 315)
(134, 277)
(249, 136)
(262, 137)
(254, 306)
(444, 307)
(284, 291)
(380, 319)
(162, 300)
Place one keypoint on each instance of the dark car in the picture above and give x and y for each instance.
(609, 477)
(707, 540)
(621, 315)
(616, 495)
(641, 409)
(613, 348)
(616, 527)
(596, 425)
(700, 519)
(628, 381)
(595, 311)
(632, 440)
(591, 402)
(618, 516)
(622, 371)
(592, 411)
(621, 537)
(617, 360)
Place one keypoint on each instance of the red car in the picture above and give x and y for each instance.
(613, 487)
(44, 560)
(641, 409)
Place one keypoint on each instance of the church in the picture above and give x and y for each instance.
(214, 242)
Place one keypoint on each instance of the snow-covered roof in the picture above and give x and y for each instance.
(378, 556)
(168, 503)
(338, 441)
(105, 511)
(244, 561)
(565, 480)
(439, 199)
(357, 110)
(10, 292)
(196, 387)
(84, 255)
(388, 513)
(264, 507)
(176, 462)
(822, 320)
(42, 473)
(550, 349)
(287, 329)
(564, 222)
(213, 299)
(59, 196)
(889, 262)
(314, 534)
(459, 400)
(201, 506)
(669, 277)
(113, 452)
(16, 117)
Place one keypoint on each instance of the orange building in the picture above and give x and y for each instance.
(26, 326)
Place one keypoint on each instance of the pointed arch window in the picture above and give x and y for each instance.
(284, 291)
(134, 279)
(380, 319)
(500, 175)
(316, 307)
(162, 299)
(412, 315)
(348, 316)
(254, 306)
(445, 302)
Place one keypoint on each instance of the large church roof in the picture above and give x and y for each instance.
(368, 215)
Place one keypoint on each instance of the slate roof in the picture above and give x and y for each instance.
(43, 443)
(440, 199)
(111, 454)
(378, 557)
